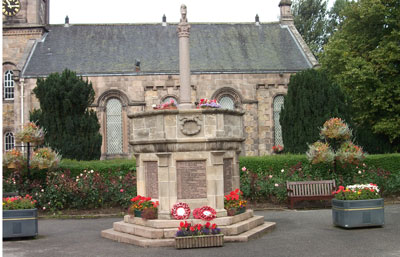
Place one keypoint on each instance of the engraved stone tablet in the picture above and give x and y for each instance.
(228, 176)
(151, 173)
(191, 177)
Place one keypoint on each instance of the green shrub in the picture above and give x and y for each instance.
(106, 167)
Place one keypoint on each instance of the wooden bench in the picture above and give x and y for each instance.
(309, 190)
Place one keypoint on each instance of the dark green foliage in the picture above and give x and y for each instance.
(363, 57)
(310, 20)
(372, 143)
(311, 100)
(72, 129)
(105, 167)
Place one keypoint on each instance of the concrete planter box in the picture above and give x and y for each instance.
(358, 213)
(199, 241)
(20, 223)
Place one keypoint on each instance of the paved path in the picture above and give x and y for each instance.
(298, 233)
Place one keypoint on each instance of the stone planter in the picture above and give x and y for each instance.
(358, 213)
(20, 223)
(187, 242)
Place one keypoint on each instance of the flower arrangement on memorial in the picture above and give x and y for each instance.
(13, 159)
(357, 192)
(141, 203)
(205, 103)
(168, 105)
(234, 202)
(277, 149)
(45, 158)
(188, 229)
(31, 133)
(18, 202)
(206, 213)
(180, 211)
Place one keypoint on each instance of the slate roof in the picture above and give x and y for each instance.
(113, 48)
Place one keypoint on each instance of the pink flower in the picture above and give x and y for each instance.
(122, 190)
(244, 169)
(270, 176)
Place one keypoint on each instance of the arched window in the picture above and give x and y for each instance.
(8, 141)
(8, 85)
(227, 102)
(114, 126)
(278, 103)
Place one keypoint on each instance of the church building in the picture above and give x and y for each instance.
(244, 66)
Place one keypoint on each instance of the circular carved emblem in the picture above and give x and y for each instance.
(190, 126)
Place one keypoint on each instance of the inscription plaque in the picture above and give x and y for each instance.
(151, 176)
(228, 176)
(191, 177)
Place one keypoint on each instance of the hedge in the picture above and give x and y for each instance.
(106, 167)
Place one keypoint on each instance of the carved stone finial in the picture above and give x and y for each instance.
(183, 13)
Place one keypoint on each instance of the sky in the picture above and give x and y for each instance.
(151, 11)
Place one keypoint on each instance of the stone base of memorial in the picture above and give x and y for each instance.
(358, 213)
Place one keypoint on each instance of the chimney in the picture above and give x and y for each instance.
(66, 21)
(286, 17)
(257, 20)
(164, 20)
(137, 65)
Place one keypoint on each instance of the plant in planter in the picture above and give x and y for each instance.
(144, 207)
(45, 158)
(14, 159)
(198, 235)
(277, 149)
(234, 203)
(31, 133)
(19, 217)
(165, 106)
(205, 104)
(358, 206)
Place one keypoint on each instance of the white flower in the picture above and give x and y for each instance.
(91, 171)
(359, 172)
(81, 174)
(276, 185)
(270, 176)
(282, 170)
(44, 208)
(77, 177)
(42, 190)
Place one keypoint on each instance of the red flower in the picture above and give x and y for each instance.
(199, 227)
(237, 190)
(192, 229)
(182, 224)
(208, 224)
(214, 226)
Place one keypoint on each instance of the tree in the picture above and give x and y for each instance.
(363, 57)
(335, 16)
(310, 101)
(310, 20)
(71, 128)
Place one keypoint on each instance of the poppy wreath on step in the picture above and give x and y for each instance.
(206, 213)
(180, 211)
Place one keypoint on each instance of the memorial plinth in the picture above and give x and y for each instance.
(187, 156)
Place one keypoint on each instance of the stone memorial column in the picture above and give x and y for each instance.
(184, 61)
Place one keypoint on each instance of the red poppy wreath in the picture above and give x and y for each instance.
(205, 213)
(180, 211)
